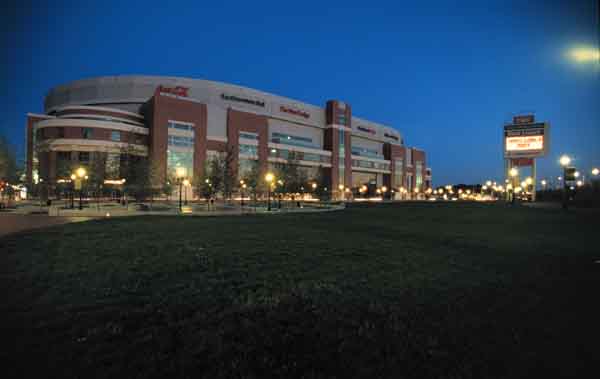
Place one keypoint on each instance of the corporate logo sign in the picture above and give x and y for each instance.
(387, 135)
(293, 111)
(258, 103)
(366, 130)
(177, 91)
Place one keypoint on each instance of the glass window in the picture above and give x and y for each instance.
(87, 133)
(115, 135)
(180, 141)
(180, 126)
(288, 139)
(84, 156)
(177, 159)
(248, 135)
(398, 167)
(364, 152)
(249, 150)
(419, 174)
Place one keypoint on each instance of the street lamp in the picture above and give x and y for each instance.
(269, 177)
(565, 161)
(341, 188)
(186, 183)
(73, 177)
(81, 174)
(384, 190)
(242, 186)
(595, 171)
(513, 173)
(180, 173)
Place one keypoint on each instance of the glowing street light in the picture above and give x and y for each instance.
(488, 183)
(513, 172)
(81, 174)
(576, 174)
(584, 54)
(180, 173)
(565, 160)
(269, 177)
(595, 171)
(579, 183)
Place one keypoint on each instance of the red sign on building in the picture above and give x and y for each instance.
(294, 111)
(177, 91)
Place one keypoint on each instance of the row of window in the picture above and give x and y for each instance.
(364, 152)
(248, 135)
(288, 139)
(370, 164)
(180, 126)
(301, 156)
(86, 133)
(180, 141)
(249, 150)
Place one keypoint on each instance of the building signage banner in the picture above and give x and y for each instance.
(177, 91)
(293, 111)
(243, 100)
(525, 140)
(387, 135)
(366, 130)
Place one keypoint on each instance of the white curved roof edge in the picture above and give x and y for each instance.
(41, 115)
(92, 107)
(90, 116)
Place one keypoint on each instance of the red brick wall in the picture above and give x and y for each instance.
(248, 122)
(165, 108)
(31, 120)
(332, 113)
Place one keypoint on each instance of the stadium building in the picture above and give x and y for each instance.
(180, 122)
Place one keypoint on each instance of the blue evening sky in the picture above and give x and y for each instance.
(446, 74)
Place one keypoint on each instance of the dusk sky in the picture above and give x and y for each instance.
(446, 76)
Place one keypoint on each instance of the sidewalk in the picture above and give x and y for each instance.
(187, 210)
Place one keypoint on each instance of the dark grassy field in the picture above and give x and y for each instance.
(454, 290)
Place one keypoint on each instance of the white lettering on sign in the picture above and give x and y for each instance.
(525, 143)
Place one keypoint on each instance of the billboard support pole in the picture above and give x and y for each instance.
(534, 184)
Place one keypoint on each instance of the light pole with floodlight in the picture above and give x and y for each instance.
(269, 177)
(565, 161)
(180, 173)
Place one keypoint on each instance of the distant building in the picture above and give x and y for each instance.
(182, 122)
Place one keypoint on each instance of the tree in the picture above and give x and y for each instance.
(228, 169)
(136, 170)
(8, 162)
(322, 180)
(203, 186)
(252, 178)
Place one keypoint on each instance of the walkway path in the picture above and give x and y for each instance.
(13, 223)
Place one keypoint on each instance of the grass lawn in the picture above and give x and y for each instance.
(452, 290)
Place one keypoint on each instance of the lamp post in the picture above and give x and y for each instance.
(242, 186)
(81, 174)
(384, 190)
(180, 173)
(269, 177)
(565, 161)
(73, 177)
(595, 171)
(186, 183)
(513, 172)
